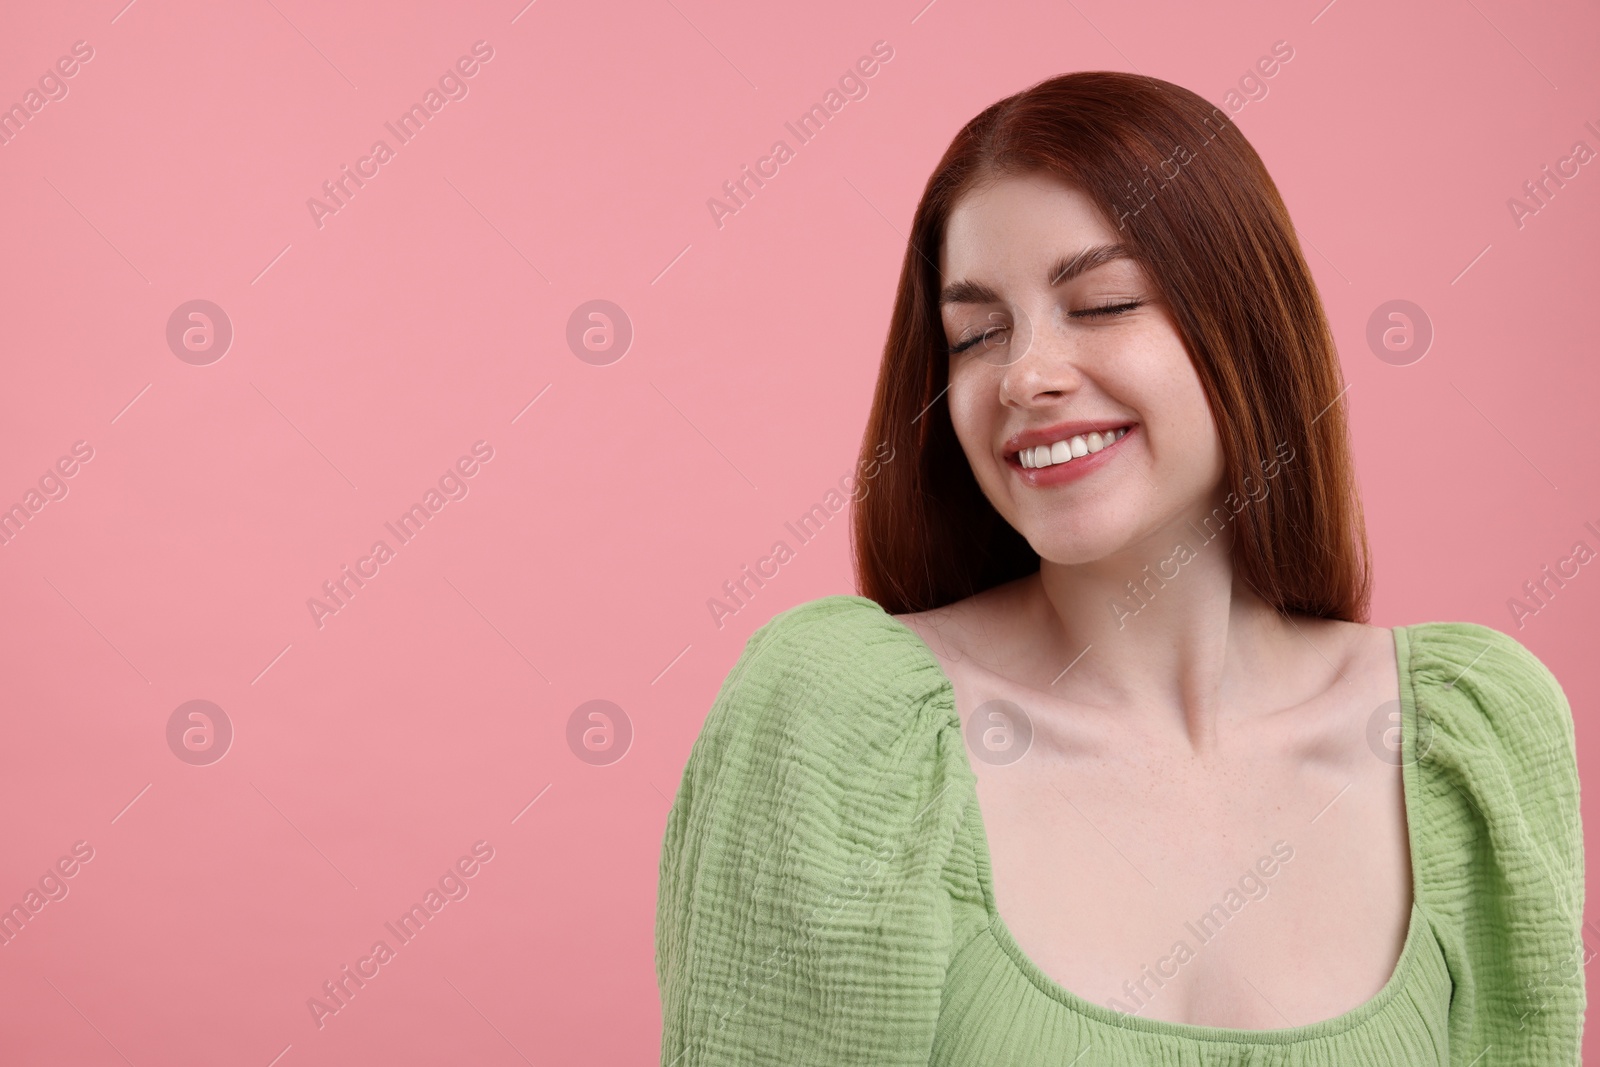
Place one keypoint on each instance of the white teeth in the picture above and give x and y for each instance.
(1069, 449)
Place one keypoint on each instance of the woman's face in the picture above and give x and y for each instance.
(1051, 367)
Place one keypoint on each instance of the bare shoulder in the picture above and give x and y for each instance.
(940, 628)
(1360, 680)
(1356, 646)
(953, 629)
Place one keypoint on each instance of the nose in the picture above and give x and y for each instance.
(1044, 366)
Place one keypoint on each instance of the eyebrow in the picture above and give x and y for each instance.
(1063, 270)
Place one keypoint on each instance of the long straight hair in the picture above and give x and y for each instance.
(1196, 208)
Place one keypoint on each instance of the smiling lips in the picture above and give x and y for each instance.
(1070, 448)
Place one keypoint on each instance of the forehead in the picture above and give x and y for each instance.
(1012, 227)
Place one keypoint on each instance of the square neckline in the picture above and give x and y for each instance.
(1415, 927)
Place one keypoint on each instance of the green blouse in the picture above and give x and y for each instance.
(825, 894)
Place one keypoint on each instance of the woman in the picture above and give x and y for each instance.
(1106, 766)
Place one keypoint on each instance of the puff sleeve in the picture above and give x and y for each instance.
(801, 916)
(1500, 848)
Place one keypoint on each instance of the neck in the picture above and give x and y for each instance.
(1164, 635)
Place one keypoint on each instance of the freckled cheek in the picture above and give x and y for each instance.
(969, 410)
(973, 397)
(1187, 435)
(1193, 411)
(1161, 385)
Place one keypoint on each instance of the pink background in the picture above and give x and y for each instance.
(369, 353)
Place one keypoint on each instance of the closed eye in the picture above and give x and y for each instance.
(1109, 309)
(962, 346)
(1112, 310)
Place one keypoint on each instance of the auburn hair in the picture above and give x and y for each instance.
(1195, 207)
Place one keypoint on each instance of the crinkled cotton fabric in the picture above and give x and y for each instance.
(826, 899)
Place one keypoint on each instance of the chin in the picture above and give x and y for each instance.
(1104, 530)
(1061, 547)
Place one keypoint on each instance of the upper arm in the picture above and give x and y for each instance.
(801, 916)
(1501, 844)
